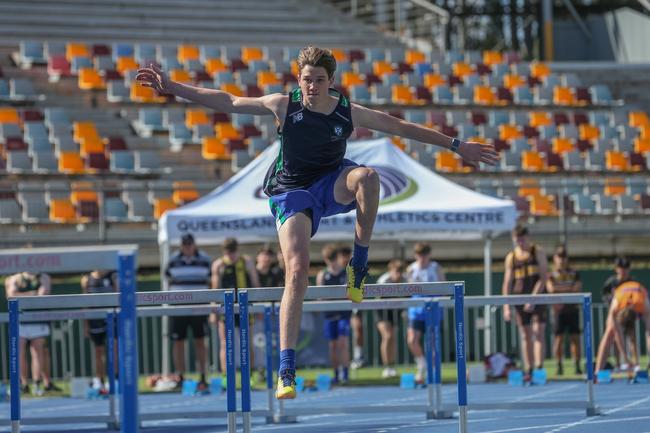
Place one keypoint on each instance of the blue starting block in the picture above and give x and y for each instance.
(516, 378)
(604, 376)
(641, 376)
(539, 377)
(189, 387)
(216, 385)
(323, 382)
(407, 381)
(300, 383)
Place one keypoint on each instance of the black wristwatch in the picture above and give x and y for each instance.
(455, 144)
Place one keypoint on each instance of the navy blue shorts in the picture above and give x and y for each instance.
(318, 199)
(337, 328)
(418, 325)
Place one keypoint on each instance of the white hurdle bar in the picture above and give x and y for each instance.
(449, 289)
(547, 299)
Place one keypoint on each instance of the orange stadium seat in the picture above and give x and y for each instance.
(184, 192)
(294, 68)
(563, 96)
(71, 162)
(542, 205)
(232, 88)
(349, 78)
(413, 57)
(484, 95)
(509, 132)
(642, 145)
(529, 188)
(540, 118)
(73, 49)
(339, 54)
(533, 161)
(214, 148)
(226, 131)
(83, 130)
(62, 211)
(188, 52)
(401, 94)
(196, 117)
(461, 69)
(162, 205)
(638, 119)
(539, 70)
(125, 64)
(267, 78)
(562, 145)
(91, 145)
(510, 81)
(588, 132)
(614, 186)
(212, 66)
(492, 57)
(380, 67)
(249, 54)
(616, 161)
(434, 80)
(644, 132)
(143, 94)
(180, 75)
(90, 79)
(449, 162)
(82, 191)
(399, 142)
(9, 115)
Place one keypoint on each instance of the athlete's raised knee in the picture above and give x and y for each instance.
(368, 178)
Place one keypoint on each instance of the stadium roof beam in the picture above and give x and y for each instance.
(578, 20)
(645, 4)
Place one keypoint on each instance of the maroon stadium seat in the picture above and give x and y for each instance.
(57, 65)
(483, 69)
(560, 118)
(88, 209)
(288, 78)
(584, 145)
(372, 79)
(637, 161)
(202, 76)
(583, 95)
(580, 118)
(238, 65)
(252, 91)
(15, 143)
(504, 94)
(112, 75)
(423, 94)
(97, 161)
(553, 160)
(233, 145)
(116, 143)
(479, 118)
(530, 131)
(404, 68)
(354, 55)
(32, 115)
(220, 118)
(501, 145)
(250, 131)
(101, 50)
(453, 80)
(645, 202)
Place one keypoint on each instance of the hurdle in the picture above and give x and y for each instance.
(126, 300)
(454, 290)
(584, 299)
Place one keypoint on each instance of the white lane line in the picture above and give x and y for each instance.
(609, 412)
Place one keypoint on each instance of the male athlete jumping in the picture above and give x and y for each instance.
(310, 178)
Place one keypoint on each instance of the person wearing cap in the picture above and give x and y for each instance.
(189, 269)
(526, 273)
(566, 317)
(233, 270)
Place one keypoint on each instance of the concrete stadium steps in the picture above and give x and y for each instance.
(199, 21)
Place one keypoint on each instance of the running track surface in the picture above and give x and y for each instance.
(625, 409)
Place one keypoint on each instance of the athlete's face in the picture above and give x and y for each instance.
(521, 241)
(314, 84)
(264, 260)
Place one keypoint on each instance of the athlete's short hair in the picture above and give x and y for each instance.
(314, 56)
(397, 265)
(230, 245)
(520, 230)
(344, 249)
(422, 248)
(330, 252)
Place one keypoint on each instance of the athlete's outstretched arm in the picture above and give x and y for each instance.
(218, 100)
(471, 152)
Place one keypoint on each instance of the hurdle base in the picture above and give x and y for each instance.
(281, 419)
(440, 414)
(113, 425)
(593, 411)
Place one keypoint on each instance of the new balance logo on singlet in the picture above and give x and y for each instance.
(297, 117)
